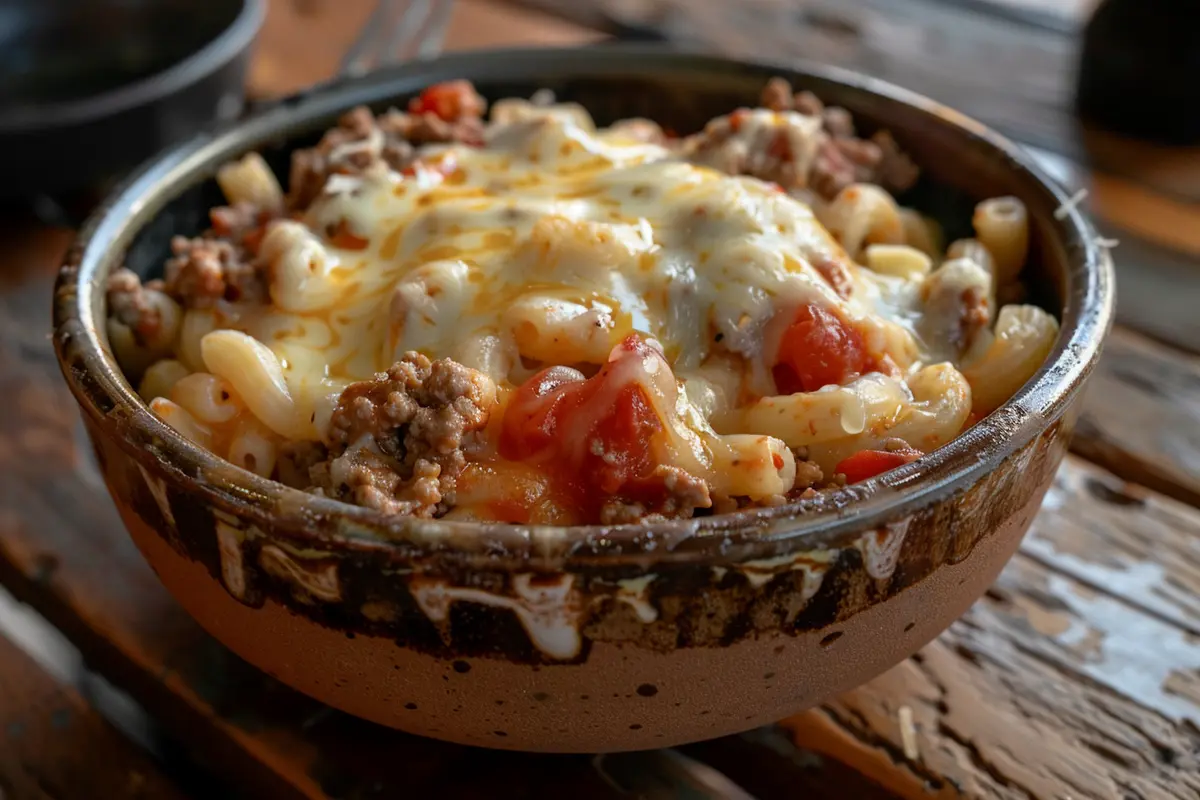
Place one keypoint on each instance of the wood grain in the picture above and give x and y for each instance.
(54, 745)
(996, 69)
(1074, 676)
(1156, 283)
(1141, 416)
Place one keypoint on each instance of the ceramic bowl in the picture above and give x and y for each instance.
(591, 638)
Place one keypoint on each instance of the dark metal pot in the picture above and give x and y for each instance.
(90, 88)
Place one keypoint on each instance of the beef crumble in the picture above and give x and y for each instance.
(842, 157)
(682, 495)
(839, 157)
(205, 269)
(362, 140)
(129, 304)
(399, 441)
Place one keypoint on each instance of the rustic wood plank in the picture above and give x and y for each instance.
(939, 49)
(54, 745)
(1050, 686)
(1141, 417)
(767, 763)
(1122, 539)
(1123, 603)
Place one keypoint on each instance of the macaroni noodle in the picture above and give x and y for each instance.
(533, 319)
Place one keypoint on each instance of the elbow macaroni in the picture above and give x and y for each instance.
(556, 240)
(1023, 338)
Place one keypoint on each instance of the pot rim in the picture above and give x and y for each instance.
(828, 519)
(234, 38)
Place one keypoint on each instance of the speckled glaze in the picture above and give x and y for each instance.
(585, 639)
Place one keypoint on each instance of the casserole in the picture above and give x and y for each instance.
(586, 638)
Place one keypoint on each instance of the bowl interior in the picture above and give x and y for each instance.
(962, 162)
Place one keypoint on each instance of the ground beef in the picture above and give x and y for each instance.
(362, 140)
(808, 473)
(843, 158)
(208, 268)
(366, 478)
(428, 128)
(129, 304)
(682, 494)
(742, 143)
(896, 171)
(398, 442)
(242, 223)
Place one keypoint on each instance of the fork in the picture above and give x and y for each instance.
(397, 31)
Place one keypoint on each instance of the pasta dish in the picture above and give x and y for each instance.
(523, 317)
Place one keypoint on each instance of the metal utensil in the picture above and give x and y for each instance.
(398, 30)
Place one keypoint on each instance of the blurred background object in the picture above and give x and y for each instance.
(1138, 69)
(88, 88)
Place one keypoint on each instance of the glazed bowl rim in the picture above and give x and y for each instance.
(113, 404)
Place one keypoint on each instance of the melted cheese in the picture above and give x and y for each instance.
(552, 242)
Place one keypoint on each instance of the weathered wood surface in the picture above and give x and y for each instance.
(1141, 417)
(1078, 675)
(54, 745)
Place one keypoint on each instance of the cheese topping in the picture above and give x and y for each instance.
(581, 324)
(552, 243)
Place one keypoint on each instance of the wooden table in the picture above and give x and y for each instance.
(1077, 676)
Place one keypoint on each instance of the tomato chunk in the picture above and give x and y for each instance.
(450, 101)
(819, 348)
(869, 463)
(591, 434)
